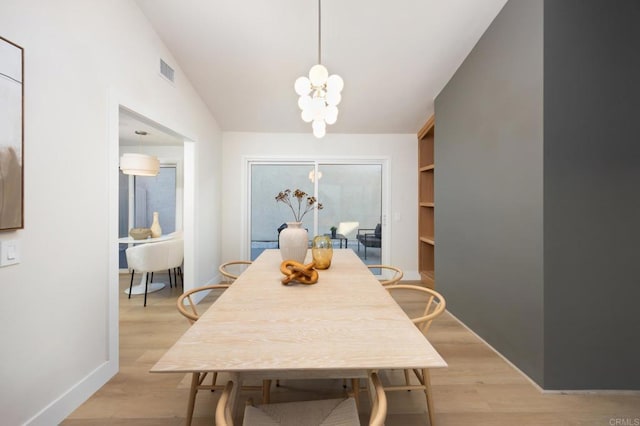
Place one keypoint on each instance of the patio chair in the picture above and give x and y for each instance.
(369, 239)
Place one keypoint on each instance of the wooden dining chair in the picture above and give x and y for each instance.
(396, 276)
(342, 411)
(227, 269)
(188, 308)
(434, 306)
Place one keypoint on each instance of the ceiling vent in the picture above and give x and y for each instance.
(166, 71)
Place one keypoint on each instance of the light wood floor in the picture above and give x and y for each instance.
(478, 387)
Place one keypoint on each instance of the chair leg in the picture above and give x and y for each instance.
(181, 276)
(131, 284)
(355, 387)
(429, 396)
(146, 285)
(266, 391)
(195, 380)
(214, 380)
(151, 277)
(407, 380)
(170, 285)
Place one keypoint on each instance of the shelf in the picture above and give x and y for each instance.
(427, 128)
(428, 240)
(428, 278)
(426, 206)
(425, 187)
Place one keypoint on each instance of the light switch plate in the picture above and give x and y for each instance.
(9, 252)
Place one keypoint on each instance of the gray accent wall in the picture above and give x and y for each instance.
(592, 194)
(489, 187)
(537, 191)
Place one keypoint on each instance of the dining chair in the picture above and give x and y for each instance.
(153, 257)
(434, 306)
(340, 411)
(174, 262)
(178, 259)
(227, 269)
(395, 278)
(187, 306)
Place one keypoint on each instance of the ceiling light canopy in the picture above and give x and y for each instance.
(139, 164)
(319, 93)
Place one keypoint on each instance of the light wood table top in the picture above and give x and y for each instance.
(347, 321)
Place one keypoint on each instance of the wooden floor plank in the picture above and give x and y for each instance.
(478, 388)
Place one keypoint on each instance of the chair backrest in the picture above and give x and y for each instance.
(176, 254)
(379, 406)
(348, 229)
(395, 277)
(225, 269)
(435, 304)
(192, 312)
(378, 415)
(153, 257)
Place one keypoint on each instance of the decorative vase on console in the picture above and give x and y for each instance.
(294, 242)
(156, 230)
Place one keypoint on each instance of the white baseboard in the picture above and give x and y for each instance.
(59, 409)
(411, 276)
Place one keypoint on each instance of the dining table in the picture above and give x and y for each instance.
(341, 326)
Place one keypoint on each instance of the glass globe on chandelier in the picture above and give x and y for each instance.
(319, 93)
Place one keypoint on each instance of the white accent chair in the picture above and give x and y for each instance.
(148, 258)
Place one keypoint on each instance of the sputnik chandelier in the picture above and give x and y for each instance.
(319, 93)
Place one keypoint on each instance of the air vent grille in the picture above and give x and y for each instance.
(166, 71)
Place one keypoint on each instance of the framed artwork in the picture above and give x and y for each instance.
(11, 136)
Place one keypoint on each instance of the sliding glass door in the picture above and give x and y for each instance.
(351, 193)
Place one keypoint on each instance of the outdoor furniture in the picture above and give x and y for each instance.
(369, 239)
(339, 237)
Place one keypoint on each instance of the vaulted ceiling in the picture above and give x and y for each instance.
(243, 56)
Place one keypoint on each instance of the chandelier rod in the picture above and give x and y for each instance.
(319, 32)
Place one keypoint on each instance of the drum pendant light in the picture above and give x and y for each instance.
(139, 164)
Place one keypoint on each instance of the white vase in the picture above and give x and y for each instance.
(294, 242)
(156, 230)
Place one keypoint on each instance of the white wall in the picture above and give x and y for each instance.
(400, 149)
(57, 313)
